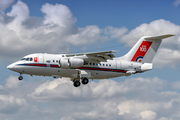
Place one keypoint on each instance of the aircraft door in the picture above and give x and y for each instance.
(40, 69)
(41, 59)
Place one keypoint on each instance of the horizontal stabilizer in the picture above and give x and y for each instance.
(158, 37)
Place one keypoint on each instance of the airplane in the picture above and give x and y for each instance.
(81, 67)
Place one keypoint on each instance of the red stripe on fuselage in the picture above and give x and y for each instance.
(115, 70)
(84, 68)
(102, 69)
(54, 66)
(143, 48)
(42, 65)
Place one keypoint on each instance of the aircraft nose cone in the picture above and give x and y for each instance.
(10, 67)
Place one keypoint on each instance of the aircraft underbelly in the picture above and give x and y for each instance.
(46, 71)
(105, 74)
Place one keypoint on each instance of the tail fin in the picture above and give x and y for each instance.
(145, 49)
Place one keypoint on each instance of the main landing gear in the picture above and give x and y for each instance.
(77, 83)
(77, 80)
(20, 77)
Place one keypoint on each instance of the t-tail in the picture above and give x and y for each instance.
(144, 50)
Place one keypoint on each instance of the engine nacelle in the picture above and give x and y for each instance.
(74, 62)
(64, 63)
(71, 62)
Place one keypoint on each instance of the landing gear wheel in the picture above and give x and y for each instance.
(85, 81)
(20, 77)
(77, 83)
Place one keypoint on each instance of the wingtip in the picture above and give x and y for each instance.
(113, 51)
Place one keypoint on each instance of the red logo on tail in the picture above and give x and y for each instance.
(143, 48)
(140, 53)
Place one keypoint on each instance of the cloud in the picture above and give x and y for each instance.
(54, 33)
(148, 115)
(138, 109)
(87, 35)
(58, 14)
(176, 3)
(5, 4)
(169, 46)
(171, 58)
(40, 37)
(154, 28)
(130, 99)
(115, 33)
(58, 90)
(10, 104)
(135, 98)
(176, 85)
(12, 82)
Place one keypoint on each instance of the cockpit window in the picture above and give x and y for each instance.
(27, 59)
(23, 58)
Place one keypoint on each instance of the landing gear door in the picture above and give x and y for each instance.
(41, 59)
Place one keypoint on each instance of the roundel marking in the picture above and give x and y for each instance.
(139, 59)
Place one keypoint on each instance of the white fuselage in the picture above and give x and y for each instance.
(48, 65)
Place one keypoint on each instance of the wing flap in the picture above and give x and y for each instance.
(95, 57)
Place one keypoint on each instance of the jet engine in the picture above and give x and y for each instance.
(74, 62)
(71, 62)
(64, 63)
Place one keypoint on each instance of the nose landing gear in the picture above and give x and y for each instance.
(20, 77)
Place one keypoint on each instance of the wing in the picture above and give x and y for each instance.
(95, 57)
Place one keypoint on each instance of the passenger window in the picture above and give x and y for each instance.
(96, 64)
(106, 64)
(103, 64)
(90, 63)
(100, 64)
(93, 63)
(53, 60)
(57, 61)
(110, 65)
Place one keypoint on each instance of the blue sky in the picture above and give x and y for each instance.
(68, 26)
(115, 13)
